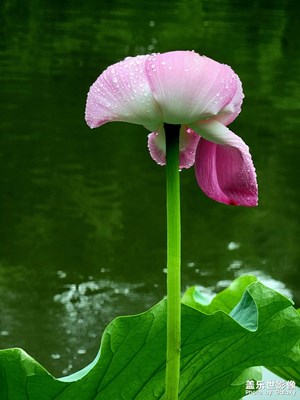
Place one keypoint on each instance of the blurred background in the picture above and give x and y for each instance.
(82, 213)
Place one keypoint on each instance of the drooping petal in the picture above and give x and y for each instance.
(157, 146)
(224, 167)
(189, 87)
(122, 93)
(188, 141)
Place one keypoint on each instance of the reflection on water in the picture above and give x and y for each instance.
(82, 213)
(87, 303)
(66, 316)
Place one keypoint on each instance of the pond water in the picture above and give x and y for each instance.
(82, 213)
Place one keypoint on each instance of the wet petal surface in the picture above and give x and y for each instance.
(122, 93)
(189, 87)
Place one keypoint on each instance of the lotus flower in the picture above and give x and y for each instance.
(201, 95)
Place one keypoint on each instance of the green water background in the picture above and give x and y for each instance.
(82, 213)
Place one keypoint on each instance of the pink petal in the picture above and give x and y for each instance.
(122, 93)
(224, 168)
(232, 109)
(188, 142)
(189, 87)
(157, 146)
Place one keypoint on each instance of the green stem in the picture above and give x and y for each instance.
(173, 262)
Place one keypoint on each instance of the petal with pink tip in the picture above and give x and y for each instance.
(188, 141)
(122, 93)
(157, 146)
(224, 167)
(189, 87)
